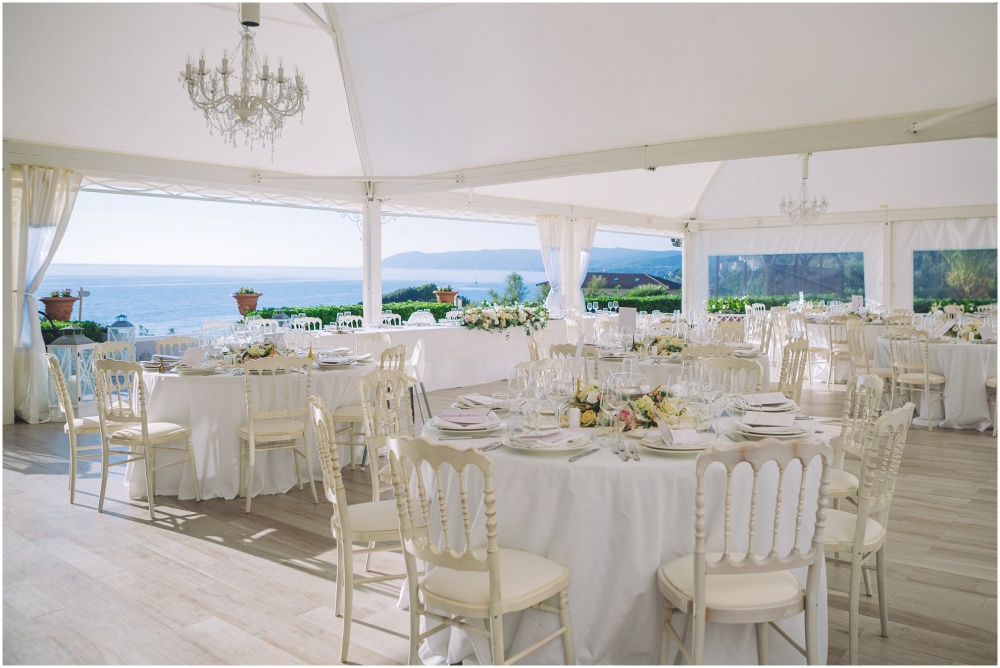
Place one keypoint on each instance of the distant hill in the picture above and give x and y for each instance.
(657, 263)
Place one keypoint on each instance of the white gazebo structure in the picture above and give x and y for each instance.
(678, 119)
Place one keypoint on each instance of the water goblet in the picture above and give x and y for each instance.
(501, 408)
(612, 402)
(517, 384)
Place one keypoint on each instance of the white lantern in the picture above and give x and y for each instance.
(75, 353)
(122, 330)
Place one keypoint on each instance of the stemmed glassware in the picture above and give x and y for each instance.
(559, 389)
(517, 384)
(501, 408)
(612, 402)
(535, 397)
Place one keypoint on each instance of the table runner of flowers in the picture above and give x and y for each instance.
(499, 317)
(638, 413)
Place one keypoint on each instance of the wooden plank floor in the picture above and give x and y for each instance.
(208, 584)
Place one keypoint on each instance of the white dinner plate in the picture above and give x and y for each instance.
(196, 371)
(770, 432)
(539, 449)
(655, 444)
(470, 430)
(744, 407)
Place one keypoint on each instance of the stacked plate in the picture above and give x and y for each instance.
(549, 442)
(655, 443)
(482, 427)
(154, 364)
(756, 433)
(741, 404)
(196, 370)
(474, 401)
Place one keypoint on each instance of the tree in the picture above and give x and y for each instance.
(514, 292)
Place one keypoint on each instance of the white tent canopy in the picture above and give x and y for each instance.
(517, 110)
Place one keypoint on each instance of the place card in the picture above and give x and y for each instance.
(765, 399)
(193, 357)
(679, 436)
(941, 331)
(987, 333)
(626, 317)
(760, 419)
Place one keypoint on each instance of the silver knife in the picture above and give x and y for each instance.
(583, 454)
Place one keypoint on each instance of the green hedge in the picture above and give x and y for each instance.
(328, 314)
(924, 305)
(663, 303)
(92, 330)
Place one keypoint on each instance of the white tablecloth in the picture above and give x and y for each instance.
(612, 524)
(667, 372)
(965, 366)
(215, 407)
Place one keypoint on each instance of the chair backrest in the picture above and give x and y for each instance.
(880, 466)
(175, 345)
(277, 387)
(329, 459)
(730, 332)
(372, 342)
(121, 393)
(574, 329)
(264, 326)
(218, 326)
(533, 354)
(392, 319)
(770, 490)
(733, 374)
(837, 326)
(589, 355)
(796, 327)
(857, 423)
(307, 323)
(908, 350)
(953, 311)
(793, 369)
(386, 408)
(114, 350)
(62, 390)
(708, 350)
(905, 319)
(436, 532)
(421, 318)
(414, 366)
(393, 358)
(858, 349)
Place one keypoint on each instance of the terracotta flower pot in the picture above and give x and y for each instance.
(446, 296)
(247, 302)
(59, 308)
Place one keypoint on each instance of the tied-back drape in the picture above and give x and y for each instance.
(41, 204)
(566, 245)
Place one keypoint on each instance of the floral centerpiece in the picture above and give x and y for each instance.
(640, 413)
(256, 351)
(668, 345)
(968, 331)
(498, 317)
(588, 400)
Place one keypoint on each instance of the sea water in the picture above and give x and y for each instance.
(178, 299)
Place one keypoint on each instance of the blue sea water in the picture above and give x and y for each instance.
(181, 298)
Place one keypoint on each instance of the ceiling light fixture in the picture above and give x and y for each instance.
(256, 105)
(803, 210)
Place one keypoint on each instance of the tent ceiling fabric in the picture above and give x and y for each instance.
(441, 89)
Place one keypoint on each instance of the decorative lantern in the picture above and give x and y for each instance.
(122, 330)
(75, 353)
(281, 317)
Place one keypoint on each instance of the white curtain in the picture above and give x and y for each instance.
(566, 244)
(41, 206)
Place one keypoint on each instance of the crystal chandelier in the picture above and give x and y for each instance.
(254, 106)
(803, 210)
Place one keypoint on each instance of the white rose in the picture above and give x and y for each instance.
(593, 396)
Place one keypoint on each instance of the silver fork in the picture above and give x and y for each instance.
(618, 449)
(633, 450)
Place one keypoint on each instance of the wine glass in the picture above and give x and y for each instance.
(501, 408)
(517, 384)
(535, 396)
(558, 389)
(612, 402)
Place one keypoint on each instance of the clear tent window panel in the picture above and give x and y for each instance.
(818, 276)
(955, 274)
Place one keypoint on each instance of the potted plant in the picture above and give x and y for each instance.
(445, 295)
(246, 300)
(59, 304)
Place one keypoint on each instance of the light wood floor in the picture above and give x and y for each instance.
(208, 584)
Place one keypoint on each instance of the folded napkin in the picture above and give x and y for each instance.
(473, 400)
(548, 439)
(679, 436)
(765, 399)
(442, 423)
(466, 416)
(761, 419)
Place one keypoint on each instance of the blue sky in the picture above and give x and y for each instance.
(122, 229)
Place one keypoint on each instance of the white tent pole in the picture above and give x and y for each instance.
(687, 254)
(8, 300)
(371, 241)
(887, 298)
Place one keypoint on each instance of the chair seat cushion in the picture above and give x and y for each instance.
(932, 378)
(351, 413)
(264, 429)
(752, 590)
(85, 425)
(840, 530)
(372, 517)
(156, 430)
(525, 579)
(843, 484)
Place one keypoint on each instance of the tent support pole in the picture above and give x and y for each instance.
(371, 243)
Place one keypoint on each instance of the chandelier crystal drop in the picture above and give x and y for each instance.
(803, 210)
(255, 105)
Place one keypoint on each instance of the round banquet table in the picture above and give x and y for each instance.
(819, 335)
(215, 407)
(612, 524)
(665, 371)
(965, 366)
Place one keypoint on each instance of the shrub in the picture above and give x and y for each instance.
(328, 314)
(92, 330)
(423, 293)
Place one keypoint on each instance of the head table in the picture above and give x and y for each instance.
(612, 524)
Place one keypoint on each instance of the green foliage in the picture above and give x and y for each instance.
(543, 292)
(92, 330)
(65, 292)
(514, 292)
(328, 314)
(648, 291)
(595, 286)
(923, 305)
(955, 274)
(422, 293)
(665, 304)
(727, 304)
(246, 291)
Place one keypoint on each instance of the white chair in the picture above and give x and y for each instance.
(375, 523)
(730, 332)
(793, 369)
(373, 343)
(838, 349)
(746, 574)
(114, 350)
(589, 363)
(733, 374)
(574, 329)
(393, 358)
(264, 326)
(798, 328)
(469, 574)
(421, 318)
(175, 345)
(308, 323)
(414, 368)
(277, 395)
(392, 319)
(857, 428)
(897, 319)
(386, 410)
(910, 355)
(218, 327)
(953, 311)
(858, 350)
(351, 322)
(707, 350)
(862, 534)
(126, 430)
(74, 426)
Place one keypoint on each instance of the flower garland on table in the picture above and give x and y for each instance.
(499, 317)
(968, 331)
(257, 351)
(667, 345)
(636, 414)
